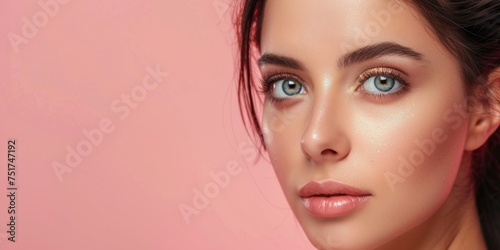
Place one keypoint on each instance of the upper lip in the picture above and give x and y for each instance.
(329, 188)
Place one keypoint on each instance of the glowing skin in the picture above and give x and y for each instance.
(334, 129)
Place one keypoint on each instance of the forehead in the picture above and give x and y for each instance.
(332, 27)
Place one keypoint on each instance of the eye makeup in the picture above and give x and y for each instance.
(269, 81)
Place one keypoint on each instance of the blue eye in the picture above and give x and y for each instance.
(285, 88)
(382, 84)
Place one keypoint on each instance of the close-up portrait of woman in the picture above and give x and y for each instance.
(380, 118)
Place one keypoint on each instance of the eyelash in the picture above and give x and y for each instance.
(268, 81)
(384, 71)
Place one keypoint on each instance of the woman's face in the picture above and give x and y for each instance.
(366, 102)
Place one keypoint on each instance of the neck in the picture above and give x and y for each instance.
(468, 231)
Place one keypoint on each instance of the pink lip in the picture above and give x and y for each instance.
(332, 199)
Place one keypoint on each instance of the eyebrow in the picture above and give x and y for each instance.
(278, 60)
(353, 57)
(378, 50)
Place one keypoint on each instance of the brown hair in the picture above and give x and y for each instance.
(470, 29)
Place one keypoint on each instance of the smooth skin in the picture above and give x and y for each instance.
(332, 123)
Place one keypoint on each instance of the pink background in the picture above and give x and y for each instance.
(64, 75)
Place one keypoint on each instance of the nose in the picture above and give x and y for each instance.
(324, 139)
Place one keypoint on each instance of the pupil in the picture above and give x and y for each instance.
(383, 80)
(384, 83)
(290, 87)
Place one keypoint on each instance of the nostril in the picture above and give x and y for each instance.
(329, 152)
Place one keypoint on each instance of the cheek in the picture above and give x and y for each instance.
(429, 153)
(414, 157)
(282, 130)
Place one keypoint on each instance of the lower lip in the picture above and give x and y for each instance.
(334, 206)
